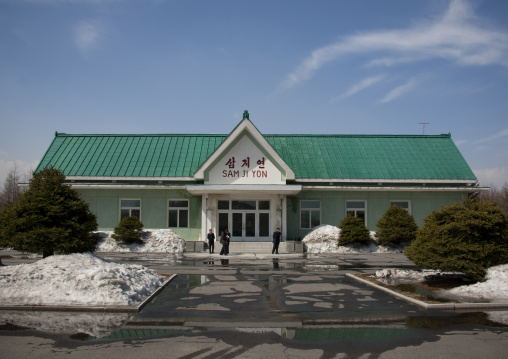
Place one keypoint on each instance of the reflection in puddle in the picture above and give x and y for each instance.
(102, 326)
(132, 333)
(95, 324)
(321, 333)
(490, 319)
(319, 267)
(332, 334)
(186, 281)
(418, 288)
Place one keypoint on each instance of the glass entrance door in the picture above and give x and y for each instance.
(246, 220)
(244, 225)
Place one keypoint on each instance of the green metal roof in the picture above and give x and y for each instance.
(310, 156)
(372, 156)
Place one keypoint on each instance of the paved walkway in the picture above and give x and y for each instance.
(287, 290)
(262, 306)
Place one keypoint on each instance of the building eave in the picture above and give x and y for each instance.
(127, 178)
(395, 188)
(124, 186)
(384, 180)
(228, 189)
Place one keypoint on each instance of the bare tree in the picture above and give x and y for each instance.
(11, 190)
(500, 196)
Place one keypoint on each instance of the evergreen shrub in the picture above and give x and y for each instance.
(129, 230)
(396, 226)
(353, 230)
(49, 217)
(467, 237)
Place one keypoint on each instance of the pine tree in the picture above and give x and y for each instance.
(467, 237)
(396, 226)
(49, 217)
(353, 230)
(129, 230)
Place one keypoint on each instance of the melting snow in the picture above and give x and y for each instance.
(76, 279)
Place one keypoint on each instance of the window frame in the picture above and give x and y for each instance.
(402, 200)
(178, 209)
(356, 209)
(130, 208)
(310, 213)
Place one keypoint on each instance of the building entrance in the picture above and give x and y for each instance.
(247, 220)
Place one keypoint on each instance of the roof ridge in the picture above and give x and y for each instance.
(62, 134)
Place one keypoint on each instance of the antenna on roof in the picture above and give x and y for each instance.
(423, 125)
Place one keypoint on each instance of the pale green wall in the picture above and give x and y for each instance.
(333, 206)
(105, 204)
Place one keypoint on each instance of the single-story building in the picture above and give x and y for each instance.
(253, 183)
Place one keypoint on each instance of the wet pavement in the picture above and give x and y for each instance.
(265, 306)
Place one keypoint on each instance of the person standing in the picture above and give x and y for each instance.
(228, 240)
(276, 241)
(224, 240)
(211, 241)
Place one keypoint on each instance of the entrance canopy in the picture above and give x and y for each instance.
(244, 189)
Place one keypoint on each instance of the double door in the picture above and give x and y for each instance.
(247, 224)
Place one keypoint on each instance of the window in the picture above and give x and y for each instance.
(243, 205)
(223, 204)
(356, 208)
(310, 214)
(178, 213)
(130, 207)
(402, 204)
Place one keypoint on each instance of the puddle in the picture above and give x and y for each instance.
(419, 289)
(12, 327)
(367, 332)
(137, 333)
(182, 281)
(489, 319)
(430, 288)
(333, 334)
(95, 324)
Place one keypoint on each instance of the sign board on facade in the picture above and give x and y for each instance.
(245, 163)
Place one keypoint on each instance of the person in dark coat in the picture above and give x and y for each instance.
(276, 241)
(225, 237)
(211, 241)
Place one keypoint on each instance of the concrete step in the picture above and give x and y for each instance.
(246, 247)
(253, 247)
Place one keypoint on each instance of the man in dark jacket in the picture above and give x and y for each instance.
(276, 241)
(211, 241)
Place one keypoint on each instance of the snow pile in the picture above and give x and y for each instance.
(395, 276)
(499, 317)
(405, 274)
(76, 279)
(494, 288)
(324, 239)
(155, 241)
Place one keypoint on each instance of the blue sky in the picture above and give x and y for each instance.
(320, 67)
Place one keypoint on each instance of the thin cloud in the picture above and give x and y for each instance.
(362, 85)
(399, 91)
(86, 35)
(494, 137)
(457, 36)
(495, 177)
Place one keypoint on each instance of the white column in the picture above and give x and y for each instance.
(204, 217)
(284, 217)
